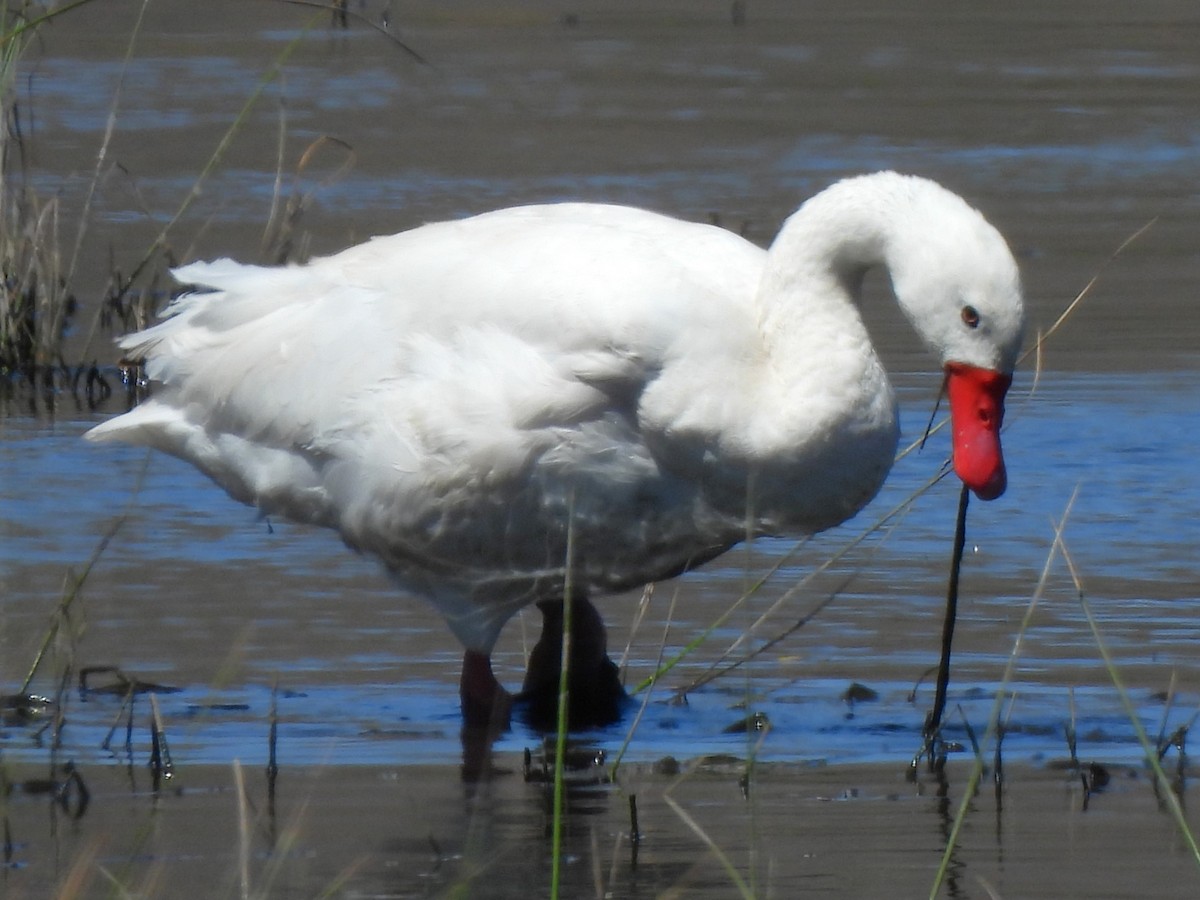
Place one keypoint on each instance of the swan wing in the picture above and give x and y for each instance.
(433, 393)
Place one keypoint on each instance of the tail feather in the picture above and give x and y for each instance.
(150, 424)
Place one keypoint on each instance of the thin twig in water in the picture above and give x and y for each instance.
(976, 750)
(994, 718)
(934, 721)
(1168, 702)
(126, 704)
(998, 764)
(161, 767)
(272, 738)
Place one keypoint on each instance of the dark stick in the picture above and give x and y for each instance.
(272, 761)
(635, 834)
(273, 736)
(934, 720)
(161, 767)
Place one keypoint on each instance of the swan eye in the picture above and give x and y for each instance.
(970, 316)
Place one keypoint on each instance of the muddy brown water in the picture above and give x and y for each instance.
(1071, 125)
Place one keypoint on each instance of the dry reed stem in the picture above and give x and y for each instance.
(1087, 288)
(277, 187)
(35, 303)
(160, 242)
(278, 235)
(726, 863)
(637, 719)
(745, 890)
(1114, 674)
(118, 887)
(239, 785)
(886, 523)
(101, 155)
(79, 875)
(70, 594)
(618, 838)
(358, 17)
(635, 627)
(597, 872)
(110, 127)
(76, 583)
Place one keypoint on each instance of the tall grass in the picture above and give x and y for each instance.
(37, 261)
(35, 303)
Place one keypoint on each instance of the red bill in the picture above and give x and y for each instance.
(976, 412)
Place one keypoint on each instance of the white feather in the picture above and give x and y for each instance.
(455, 398)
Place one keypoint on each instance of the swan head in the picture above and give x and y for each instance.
(958, 283)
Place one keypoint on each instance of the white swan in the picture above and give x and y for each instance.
(466, 399)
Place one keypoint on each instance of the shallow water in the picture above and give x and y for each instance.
(365, 831)
(1070, 126)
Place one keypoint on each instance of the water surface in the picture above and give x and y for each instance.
(1071, 126)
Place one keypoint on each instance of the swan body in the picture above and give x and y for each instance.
(467, 399)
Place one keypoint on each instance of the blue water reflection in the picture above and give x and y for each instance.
(190, 565)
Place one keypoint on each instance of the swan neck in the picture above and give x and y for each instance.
(826, 247)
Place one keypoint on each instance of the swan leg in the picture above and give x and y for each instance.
(485, 702)
(594, 684)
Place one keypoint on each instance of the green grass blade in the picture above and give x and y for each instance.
(1148, 748)
(560, 736)
(743, 889)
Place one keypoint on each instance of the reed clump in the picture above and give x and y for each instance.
(36, 302)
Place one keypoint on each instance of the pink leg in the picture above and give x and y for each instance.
(485, 703)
